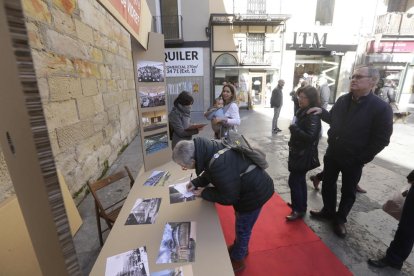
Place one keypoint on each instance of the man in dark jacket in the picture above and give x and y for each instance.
(226, 171)
(276, 101)
(403, 242)
(360, 127)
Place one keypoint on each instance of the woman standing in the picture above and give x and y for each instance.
(303, 149)
(231, 110)
(179, 118)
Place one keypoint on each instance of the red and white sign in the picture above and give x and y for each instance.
(128, 10)
(391, 47)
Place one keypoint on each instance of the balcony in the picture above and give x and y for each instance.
(171, 27)
(248, 19)
(395, 24)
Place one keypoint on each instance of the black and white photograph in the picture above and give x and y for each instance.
(130, 263)
(157, 178)
(145, 211)
(152, 96)
(154, 120)
(150, 71)
(179, 193)
(185, 270)
(155, 143)
(178, 243)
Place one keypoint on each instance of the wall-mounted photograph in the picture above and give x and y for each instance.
(152, 96)
(150, 71)
(155, 143)
(154, 120)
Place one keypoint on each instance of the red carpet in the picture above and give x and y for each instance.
(281, 248)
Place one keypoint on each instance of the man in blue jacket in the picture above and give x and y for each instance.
(360, 127)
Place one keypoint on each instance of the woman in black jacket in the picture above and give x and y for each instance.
(247, 192)
(303, 149)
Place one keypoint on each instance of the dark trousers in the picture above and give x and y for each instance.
(298, 191)
(400, 248)
(244, 226)
(351, 174)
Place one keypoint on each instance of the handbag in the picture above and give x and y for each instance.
(303, 160)
(394, 205)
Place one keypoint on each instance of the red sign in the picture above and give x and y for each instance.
(391, 47)
(130, 10)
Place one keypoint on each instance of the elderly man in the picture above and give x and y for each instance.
(236, 181)
(360, 127)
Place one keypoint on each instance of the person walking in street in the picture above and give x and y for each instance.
(179, 118)
(247, 192)
(403, 242)
(231, 117)
(324, 92)
(276, 101)
(303, 146)
(360, 127)
(317, 178)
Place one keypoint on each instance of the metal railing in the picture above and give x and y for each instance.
(395, 23)
(170, 26)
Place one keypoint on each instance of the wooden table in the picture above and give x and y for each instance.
(211, 256)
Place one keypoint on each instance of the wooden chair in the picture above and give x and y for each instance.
(103, 207)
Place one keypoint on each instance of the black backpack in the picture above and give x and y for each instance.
(237, 142)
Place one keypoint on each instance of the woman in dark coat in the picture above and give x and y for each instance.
(303, 149)
(179, 118)
(247, 193)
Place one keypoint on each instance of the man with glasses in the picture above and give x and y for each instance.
(360, 127)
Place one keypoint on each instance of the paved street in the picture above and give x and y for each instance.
(369, 228)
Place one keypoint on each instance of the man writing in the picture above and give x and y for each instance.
(276, 101)
(360, 127)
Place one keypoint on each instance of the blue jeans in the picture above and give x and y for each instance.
(298, 191)
(244, 226)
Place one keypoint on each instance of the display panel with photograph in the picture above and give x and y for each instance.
(150, 71)
(178, 243)
(152, 96)
(157, 178)
(155, 143)
(154, 120)
(145, 211)
(133, 262)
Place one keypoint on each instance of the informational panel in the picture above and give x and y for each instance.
(152, 101)
(184, 62)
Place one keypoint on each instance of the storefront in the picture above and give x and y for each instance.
(395, 60)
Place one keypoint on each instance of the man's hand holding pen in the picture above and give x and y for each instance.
(195, 190)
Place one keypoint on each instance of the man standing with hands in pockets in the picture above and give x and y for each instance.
(360, 127)
(276, 101)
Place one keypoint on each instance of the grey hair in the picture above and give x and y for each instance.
(183, 153)
(372, 71)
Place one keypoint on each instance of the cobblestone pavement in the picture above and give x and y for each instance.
(370, 229)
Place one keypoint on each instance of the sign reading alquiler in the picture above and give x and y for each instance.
(126, 11)
(183, 62)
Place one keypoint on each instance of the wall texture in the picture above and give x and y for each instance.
(85, 74)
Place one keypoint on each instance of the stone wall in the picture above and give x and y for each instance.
(84, 66)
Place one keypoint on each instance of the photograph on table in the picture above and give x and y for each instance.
(155, 143)
(133, 262)
(150, 71)
(157, 178)
(178, 243)
(185, 270)
(154, 120)
(151, 96)
(145, 211)
(179, 193)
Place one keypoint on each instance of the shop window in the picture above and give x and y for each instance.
(324, 12)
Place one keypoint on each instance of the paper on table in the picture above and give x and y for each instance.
(182, 188)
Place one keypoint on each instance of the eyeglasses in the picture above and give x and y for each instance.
(358, 77)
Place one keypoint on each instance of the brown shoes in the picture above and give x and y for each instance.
(340, 229)
(237, 265)
(360, 190)
(315, 180)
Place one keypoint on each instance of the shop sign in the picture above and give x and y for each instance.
(184, 62)
(391, 47)
(306, 40)
(128, 12)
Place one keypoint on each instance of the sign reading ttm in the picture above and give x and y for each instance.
(306, 40)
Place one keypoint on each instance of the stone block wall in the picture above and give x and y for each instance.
(84, 67)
